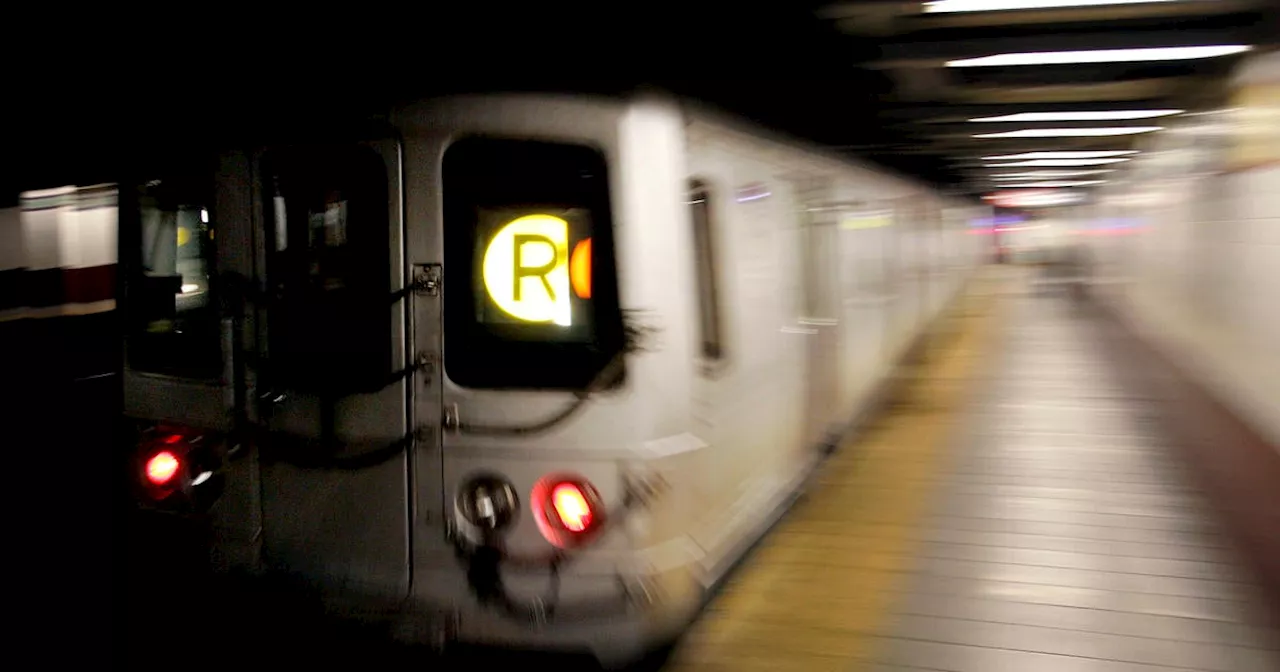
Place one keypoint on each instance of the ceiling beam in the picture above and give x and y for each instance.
(966, 111)
(935, 54)
(906, 18)
(1127, 90)
(927, 114)
(964, 128)
(968, 151)
(963, 148)
(923, 119)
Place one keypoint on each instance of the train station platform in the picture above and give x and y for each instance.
(1018, 508)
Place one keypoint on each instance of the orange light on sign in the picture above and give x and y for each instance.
(580, 269)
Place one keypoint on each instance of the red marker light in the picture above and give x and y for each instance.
(571, 507)
(162, 467)
(567, 510)
(580, 269)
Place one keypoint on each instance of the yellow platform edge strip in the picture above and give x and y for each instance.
(819, 589)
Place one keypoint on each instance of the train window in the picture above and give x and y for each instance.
(170, 288)
(528, 241)
(705, 262)
(329, 268)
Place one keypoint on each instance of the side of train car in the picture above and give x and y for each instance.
(541, 368)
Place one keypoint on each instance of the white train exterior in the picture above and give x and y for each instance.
(740, 298)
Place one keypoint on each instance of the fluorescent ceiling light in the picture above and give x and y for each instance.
(1225, 110)
(951, 6)
(1063, 155)
(1050, 201)
(1109, 115)
(1100, 56)
(1100, 132)
(1052, 185)
(1061, 163)
(1048, 174)
(1036, 199)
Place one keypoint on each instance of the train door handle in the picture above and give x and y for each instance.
(269, 402)
(452, 419)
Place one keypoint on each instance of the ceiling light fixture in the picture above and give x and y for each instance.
(1061, 163)
(1063, 155)
(1052, 184)
(1041, 198)
(1108, 115)
(1049, 201)
(1100, 56)
(952, 6)
(1048, 174)
(1100, 132)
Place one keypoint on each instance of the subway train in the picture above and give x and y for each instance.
(524, 370)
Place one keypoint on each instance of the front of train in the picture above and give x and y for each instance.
(558, 526)
(419, 383)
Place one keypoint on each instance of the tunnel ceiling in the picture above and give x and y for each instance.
(930, 104)
(866, 77)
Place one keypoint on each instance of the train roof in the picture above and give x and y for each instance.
(118, 145)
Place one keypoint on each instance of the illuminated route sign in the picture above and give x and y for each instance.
(528, 270)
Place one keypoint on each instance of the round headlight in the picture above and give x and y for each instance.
(489, 502)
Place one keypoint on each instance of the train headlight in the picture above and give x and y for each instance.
(488, 502)
(568, 510)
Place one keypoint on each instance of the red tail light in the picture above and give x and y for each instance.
(177, 468)
(568, 510)
(162, 468)
(164, 464)
(571, 507)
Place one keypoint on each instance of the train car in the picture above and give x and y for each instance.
(516, 369)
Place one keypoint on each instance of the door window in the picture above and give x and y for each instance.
(531, 297)
(170, 249)
(328, 268)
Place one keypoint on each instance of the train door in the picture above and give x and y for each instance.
(515, 257)
(821, 299)
(932, 243)
(906, 253)
(865, 253)
(330, 375)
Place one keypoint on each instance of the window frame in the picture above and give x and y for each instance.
(287, 269)
(155, 354)
(700, 197)
(482, 356)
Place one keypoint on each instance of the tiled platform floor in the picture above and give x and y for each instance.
(1063, 535)
(1019, 511)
